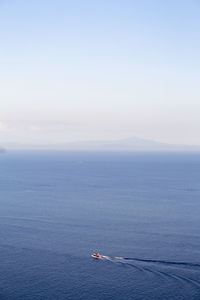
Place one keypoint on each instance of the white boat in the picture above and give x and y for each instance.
(97, 255)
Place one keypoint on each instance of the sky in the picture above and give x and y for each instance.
(99, 70)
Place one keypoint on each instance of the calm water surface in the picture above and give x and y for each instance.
(142, 211)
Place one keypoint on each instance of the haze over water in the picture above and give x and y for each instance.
(140, 210)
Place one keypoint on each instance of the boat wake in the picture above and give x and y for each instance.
(169, 272)
(155, 261)
(166, 262)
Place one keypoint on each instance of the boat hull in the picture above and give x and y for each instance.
(97, 257)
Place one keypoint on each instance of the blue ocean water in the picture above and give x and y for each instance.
(140, 210)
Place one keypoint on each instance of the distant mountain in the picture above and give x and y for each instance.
(2, 150)
(129, 144)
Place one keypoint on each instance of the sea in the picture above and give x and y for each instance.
(141, 211)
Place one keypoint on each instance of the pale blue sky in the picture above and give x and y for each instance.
(75, 70)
